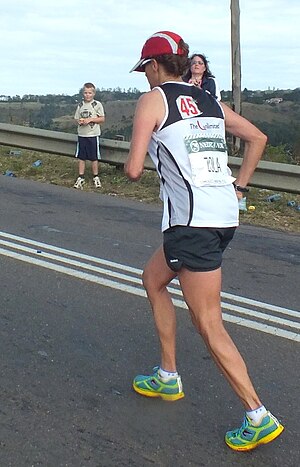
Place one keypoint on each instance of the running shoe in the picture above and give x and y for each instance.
(249, 436)
(79, 183)
(97, 182)
(154, 386)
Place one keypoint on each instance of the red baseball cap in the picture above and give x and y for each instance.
(160, 43)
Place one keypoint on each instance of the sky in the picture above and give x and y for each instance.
(54, 46)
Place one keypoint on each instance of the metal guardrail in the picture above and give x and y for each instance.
(269, 175)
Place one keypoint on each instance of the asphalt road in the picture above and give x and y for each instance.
(76, 328)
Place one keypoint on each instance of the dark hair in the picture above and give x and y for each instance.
(207, 72)
(175, 65)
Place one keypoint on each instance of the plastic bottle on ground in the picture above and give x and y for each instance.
(243, 204)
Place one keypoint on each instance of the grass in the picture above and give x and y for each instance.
(60, 170)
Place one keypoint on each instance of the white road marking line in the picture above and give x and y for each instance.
(37, 257)
(72, 262)
(73, 272)
(75, 254)
(44, 246)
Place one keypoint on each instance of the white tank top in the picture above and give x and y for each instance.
(190, 155)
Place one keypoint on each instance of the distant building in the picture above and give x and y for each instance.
(274, 100)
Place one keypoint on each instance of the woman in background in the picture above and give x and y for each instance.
(200, 75)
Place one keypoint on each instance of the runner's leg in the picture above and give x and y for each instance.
(156, 276)
(201, 291)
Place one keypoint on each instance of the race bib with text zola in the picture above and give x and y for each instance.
(208, 159)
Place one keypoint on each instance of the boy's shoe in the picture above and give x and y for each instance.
(153, 386)
(249, 436)
(97, 182)
(79, 183)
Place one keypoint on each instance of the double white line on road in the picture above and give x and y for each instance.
(253, 314)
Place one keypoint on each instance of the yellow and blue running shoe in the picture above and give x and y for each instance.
(249, 436)
(154, 386)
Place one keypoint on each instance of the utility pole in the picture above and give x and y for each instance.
(235, 63)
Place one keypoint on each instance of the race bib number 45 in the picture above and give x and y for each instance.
(208, 160)
(187, 107)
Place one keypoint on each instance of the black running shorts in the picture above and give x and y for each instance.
(196, 248)
(88, 148)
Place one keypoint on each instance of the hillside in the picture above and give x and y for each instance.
(118, 120)
(118, 110)
(118, 113)
(283, 112)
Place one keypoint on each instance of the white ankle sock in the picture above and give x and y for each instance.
(165, 375)
(256, 414)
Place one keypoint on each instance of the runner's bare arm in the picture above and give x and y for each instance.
(255, 142)
(145, 121)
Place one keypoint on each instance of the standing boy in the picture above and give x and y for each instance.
(89, 114)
